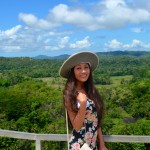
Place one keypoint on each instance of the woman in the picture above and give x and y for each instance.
(82, 101)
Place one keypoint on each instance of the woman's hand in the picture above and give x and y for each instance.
(81, 97)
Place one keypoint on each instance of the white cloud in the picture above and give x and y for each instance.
(34, 22)
(135, 45)
(8, 39)
(64, 14)
(138, 30)
(12, 48)
(144, 4)
(108, 14)
(51, 48)
(25, 39)
(113, 44)
(63, 42)
(81, 44)
(115, 14)
(59, 43)
(53, 31)
(10, 32)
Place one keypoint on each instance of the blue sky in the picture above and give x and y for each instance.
(48, 27)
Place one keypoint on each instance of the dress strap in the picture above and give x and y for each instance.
(67, 128)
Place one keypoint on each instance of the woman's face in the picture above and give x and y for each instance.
(82, 72)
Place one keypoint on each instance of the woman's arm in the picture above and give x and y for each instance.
(77, 119)
(101, 140)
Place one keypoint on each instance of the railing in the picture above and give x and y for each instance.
(62, 137)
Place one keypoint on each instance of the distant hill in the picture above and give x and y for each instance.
(101, 54)
(50, 57)
(130, 53)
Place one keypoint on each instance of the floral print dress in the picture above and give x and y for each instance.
(88, 134)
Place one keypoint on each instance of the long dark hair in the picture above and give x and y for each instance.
(70, 95)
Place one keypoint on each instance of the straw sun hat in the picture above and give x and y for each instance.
(81, 57)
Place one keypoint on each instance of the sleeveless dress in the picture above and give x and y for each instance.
(91, 123)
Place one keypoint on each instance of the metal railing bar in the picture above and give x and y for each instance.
(63, 137)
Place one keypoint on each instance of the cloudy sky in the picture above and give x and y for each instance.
(56, 27)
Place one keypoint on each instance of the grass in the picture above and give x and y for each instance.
(59, 82)
(116, 80)
(52, 81)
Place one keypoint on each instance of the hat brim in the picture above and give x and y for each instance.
(77, 58)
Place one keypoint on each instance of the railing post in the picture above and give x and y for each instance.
(38, 144)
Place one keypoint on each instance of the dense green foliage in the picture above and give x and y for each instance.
(31, 98)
